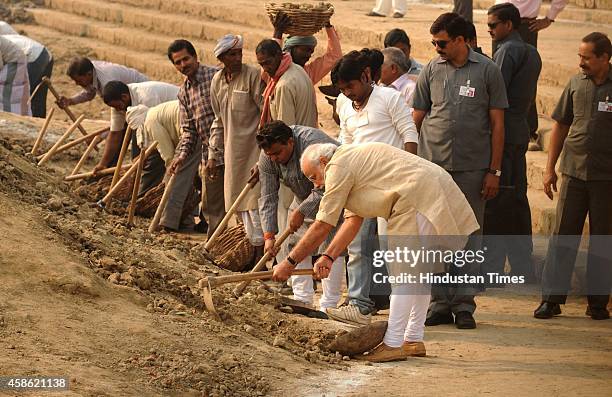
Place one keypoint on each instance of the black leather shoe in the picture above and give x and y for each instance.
(439, 318)
(547, 310)
(597, 314)
(465, 320)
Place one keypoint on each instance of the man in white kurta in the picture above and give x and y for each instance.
(416, 197)
(236, 101)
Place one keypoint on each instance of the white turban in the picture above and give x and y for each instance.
(228, 42)
(135, 117)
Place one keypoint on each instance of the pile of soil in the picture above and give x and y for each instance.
(163, 271)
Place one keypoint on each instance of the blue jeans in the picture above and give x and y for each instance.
(361, 270)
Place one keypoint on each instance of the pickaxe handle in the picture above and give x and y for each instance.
(234, 278)
(162, 204)
(262, 262)
(250, 184)
(66, 109)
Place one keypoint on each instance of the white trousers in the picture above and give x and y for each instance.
(303, 289)
(409, 303)
(252, 226)
(384, 6)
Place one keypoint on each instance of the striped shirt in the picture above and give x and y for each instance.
(272, 174)
(196, 112)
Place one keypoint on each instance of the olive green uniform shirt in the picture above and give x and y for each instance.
(456, 131)
(587, 109)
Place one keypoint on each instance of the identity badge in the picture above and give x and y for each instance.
(466, 90)
(604, 106)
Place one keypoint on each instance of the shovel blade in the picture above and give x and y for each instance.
(208, 302)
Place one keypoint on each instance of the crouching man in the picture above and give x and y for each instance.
(279, 163)
(416, 197)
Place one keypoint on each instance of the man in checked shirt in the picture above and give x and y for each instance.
(196, 118)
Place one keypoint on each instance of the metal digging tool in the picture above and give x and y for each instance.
(209, 283)
(262, 262)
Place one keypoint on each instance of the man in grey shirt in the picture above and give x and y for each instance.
(507, 225)
(459, 110)
(282, 147)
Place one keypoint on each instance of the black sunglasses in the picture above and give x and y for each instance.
(493, 25)
(440, 43)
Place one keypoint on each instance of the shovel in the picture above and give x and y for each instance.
(209, 283)
(262, 262)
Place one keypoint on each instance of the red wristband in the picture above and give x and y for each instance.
(269, 236)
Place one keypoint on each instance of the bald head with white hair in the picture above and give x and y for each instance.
(314, 159)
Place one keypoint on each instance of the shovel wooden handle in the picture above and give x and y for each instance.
(65, 109)
(262, 262)
(43, 131)
(128, 174)
(162, 204)
(104, 172)
(136, 188)
(234, 278)
(127, 137)
(250, 184)
(59, 143)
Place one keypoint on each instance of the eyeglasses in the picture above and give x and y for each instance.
(440, 43)
(493, 25)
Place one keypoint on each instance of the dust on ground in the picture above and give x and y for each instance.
(119, 310)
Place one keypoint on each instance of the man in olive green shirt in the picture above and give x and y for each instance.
(459, 109)
(583, 129)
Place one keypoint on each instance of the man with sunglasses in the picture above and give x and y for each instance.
(279, 163)
(508, 214)
(459, 110)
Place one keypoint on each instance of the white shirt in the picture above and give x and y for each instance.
(406, 86)
(531, 8)
(31, 48)
(5, 28)
(149, 93)
(385, 118)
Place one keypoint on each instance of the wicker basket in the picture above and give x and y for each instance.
(232, 250)
(306, 19)
(147, 204)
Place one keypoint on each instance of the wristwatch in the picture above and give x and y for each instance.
(291, 260)
(494, 172)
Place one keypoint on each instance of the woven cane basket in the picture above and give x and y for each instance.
(232, 250)
(306, 19)
(147, 204)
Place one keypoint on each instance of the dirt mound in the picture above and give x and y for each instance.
(90, 257)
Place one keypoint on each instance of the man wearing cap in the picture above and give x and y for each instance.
(301, 49)
(235, 95)
(161, 124)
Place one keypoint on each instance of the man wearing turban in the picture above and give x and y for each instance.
(301, 49)
(236, 98)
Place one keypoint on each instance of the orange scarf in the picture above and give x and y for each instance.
(285, 63)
